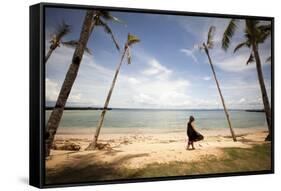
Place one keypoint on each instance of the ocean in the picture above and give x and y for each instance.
(158, 120)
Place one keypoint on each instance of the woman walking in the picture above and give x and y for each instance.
(192, 133)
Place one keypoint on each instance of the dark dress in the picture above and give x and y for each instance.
(192, 134)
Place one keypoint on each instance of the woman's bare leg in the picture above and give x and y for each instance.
(188, 144)
(192, 145)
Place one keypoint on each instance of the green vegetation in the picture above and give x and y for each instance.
(255, 33)
(234, 160)
(61, 30)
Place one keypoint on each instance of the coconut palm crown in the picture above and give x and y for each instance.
(255, 33)
(61, 30)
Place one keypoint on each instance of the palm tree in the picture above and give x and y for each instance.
(255, 33)
(93, 18)
(62, 29)
(206, 46)
(132, 39)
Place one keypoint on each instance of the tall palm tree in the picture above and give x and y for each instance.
(93, 18)
(206, 46)
(132, 39)
(62, 29)
(255, 33)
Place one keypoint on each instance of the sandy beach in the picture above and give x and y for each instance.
(138, 150)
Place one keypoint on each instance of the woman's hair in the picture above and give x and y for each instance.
(191, 119)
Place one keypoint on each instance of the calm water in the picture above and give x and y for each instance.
(159, 119)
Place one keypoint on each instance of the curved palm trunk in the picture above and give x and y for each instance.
(222, 100)
(265, 100)
(49, 54)
(70, 77)
(93, 144)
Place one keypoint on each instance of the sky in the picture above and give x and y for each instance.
(167, 70)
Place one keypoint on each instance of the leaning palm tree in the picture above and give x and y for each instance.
(255, 33)
(132, 39)
(206, 46)
(91, 20)
(62, 29)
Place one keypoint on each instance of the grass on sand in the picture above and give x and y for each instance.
(234, 160)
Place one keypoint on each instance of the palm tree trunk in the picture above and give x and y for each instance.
(70, 77)
(266, 104)
(93, 144)
(222, 100)
(49, 54)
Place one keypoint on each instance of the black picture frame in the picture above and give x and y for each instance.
(37, 93)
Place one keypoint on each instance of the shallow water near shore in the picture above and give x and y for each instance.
(150, 121)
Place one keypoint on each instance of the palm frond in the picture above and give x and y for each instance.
(132, 39)
(250, 59)
(210, 42)
(73, 44)
(228, 34)
(109, 31)
(262, 37)
(243, 44)
(62, 29)
(107, 16)
(252, 31)
(265, 28)
(247, 34)
(264, 32)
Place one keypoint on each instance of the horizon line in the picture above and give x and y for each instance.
(113, 108)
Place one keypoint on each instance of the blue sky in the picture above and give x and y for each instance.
(167, 69)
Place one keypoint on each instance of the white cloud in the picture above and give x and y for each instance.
(154, 85)
(145, 99)
(52, 92)
(207, 78)
(156, 69)
(151, 85)
(227, 61)
(198, 27)
(161, 93)
(235, 63)
(242, 100)
(190, 53)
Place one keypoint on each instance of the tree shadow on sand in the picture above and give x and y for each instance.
(87, 168)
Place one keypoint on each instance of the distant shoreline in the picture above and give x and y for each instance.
(80, 108)
(153, 109)
(254, 110)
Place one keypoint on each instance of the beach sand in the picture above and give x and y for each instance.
(137, 150)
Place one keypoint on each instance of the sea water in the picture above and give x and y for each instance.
(159, 120)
